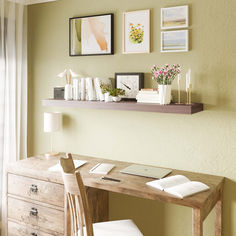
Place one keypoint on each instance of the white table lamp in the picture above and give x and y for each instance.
(52, 123)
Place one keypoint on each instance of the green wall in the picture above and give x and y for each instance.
(204, 142)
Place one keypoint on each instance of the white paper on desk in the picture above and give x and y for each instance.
(102, 168)
(77, 163)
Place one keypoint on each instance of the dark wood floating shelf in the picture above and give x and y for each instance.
(127, 106)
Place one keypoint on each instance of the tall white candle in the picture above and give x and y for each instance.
(189, 76)
(187, 82)
(179, 78)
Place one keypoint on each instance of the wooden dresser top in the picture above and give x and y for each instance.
(37, 167)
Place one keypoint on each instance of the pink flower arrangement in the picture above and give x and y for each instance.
(166, 74)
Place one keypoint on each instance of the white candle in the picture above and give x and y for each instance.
(179, 77)
(187, 82)
(189, 76)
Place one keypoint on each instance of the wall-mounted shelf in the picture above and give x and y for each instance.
(127, 106)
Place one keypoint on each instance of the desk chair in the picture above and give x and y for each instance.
(81, 221)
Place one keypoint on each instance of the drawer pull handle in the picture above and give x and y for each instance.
(33, 212)
(34, 188)
(33, 234)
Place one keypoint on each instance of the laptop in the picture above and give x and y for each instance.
(146, 171)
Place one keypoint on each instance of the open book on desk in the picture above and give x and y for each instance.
(179, 186)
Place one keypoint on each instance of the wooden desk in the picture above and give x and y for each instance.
(23, 175)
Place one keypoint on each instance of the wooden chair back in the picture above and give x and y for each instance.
(77, 198)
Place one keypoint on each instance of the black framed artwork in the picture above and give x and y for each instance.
(91, 35)
(130, 82)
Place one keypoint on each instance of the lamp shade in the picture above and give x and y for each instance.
(52, 121)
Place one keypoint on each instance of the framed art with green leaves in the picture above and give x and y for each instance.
(92, 35)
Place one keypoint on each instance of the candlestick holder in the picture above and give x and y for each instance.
(179, 95)
(190, 91)
(189, 94)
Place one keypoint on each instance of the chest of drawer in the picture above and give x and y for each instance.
(36, 215)
(35, 189)
(17, 229)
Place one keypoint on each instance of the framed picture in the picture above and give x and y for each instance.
(174, 41)
(92, 35)
(174, 17)
(136, 32)
(130, 82)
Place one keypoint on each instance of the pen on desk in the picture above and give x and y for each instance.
(95, 167)
(111, 179)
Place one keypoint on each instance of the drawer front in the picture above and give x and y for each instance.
(35, 189)
(37, 215)
(15, 229)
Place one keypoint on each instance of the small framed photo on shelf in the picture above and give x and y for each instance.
(136, 32)
(131, 83)
(91, 35)
(174, 17)
(174, 41)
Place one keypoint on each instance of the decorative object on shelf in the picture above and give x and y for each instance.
(90, 92)
(82, 89)
(70, 92)
(179, 98)
(149, 95)
(76, 85)
(188, 87)
(97, 84)
(76, 89)
(92, 35)
(174, 17)
(136, 32)
(106, 89)
(116, 94)
(58, 92)
(63, 74)
(164, 77)
(52, 123)
(130, 82)
(174, 41)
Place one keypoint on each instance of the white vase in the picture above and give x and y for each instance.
(116, 99)
(68, 92)
(164, 94)
(107, 97)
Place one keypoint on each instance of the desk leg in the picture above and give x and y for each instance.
(218, 216)
(99, 204)
(197, 222)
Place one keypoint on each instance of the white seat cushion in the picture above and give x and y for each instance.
(115, 228)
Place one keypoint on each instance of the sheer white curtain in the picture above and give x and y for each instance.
(13, 90)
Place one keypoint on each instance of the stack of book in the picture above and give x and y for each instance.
(148, 96)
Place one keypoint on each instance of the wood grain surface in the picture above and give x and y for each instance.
(46, 218)
(127, 106)
(37, 167)
(19, 229)
(35, 189)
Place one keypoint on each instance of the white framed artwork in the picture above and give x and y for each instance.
(174, 17)
(136, 32)
(174, 41)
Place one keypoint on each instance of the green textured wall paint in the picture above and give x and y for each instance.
(204, 142)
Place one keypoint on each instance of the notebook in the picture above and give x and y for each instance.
(77, 163)
(102, 168)
(146, 171)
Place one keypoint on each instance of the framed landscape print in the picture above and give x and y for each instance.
(136, 32)
(92, 35)
(174, 17)
(130, 82)
(174, 41)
